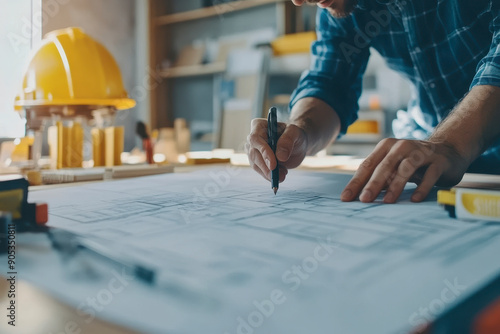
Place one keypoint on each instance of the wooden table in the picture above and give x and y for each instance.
(39, 313)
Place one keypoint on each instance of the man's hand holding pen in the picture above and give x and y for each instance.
(290, 152)
(313, 124)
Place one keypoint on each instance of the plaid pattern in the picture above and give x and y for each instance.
(443, 47)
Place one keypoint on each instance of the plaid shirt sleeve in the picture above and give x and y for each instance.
(488, 69)
(337, 67)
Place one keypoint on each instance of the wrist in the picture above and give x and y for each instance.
(473, 124)
(464, 151)
(318, 121)
(305, 127)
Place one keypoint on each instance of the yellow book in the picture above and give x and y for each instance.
(293, 43)
(364, 127)
(467, 203)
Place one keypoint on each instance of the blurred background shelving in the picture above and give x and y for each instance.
(182, 59)
(202, 34)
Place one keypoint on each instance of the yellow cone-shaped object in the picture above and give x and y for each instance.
(71, 68)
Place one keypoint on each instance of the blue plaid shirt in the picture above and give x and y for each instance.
(444, 48)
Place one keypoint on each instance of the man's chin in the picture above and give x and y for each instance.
(338, 13)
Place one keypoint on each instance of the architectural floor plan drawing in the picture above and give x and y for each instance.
(239, 259)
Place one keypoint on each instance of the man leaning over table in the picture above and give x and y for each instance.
(450, 52)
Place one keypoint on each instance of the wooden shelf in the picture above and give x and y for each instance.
(285, 65)
(192, 71)
(220, 9)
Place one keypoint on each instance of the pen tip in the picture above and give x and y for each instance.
(275, 190)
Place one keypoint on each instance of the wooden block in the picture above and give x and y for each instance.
(190, 55)
(136, 171)
(22, 150)
(183, 140)
(52, 138)
(119, 144)
(166, 145)
(207, 161)
(42, 213)
(114, 143)
(109, 144)
(98, 147)
(60, 141)
(67, 145)
(76, 146)
(182, 135)
(34, 177)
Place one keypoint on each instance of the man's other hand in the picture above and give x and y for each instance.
(395, 162)
(291, 149)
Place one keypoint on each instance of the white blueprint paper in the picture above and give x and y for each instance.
(235, 258)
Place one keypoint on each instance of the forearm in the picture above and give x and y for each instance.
(319, 121)
(474, 123)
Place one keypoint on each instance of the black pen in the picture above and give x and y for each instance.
(69, 243)
(272, 138)
(138, 270)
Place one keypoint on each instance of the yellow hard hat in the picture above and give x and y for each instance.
(71, 68)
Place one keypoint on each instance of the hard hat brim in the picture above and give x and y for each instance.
(119, 104)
